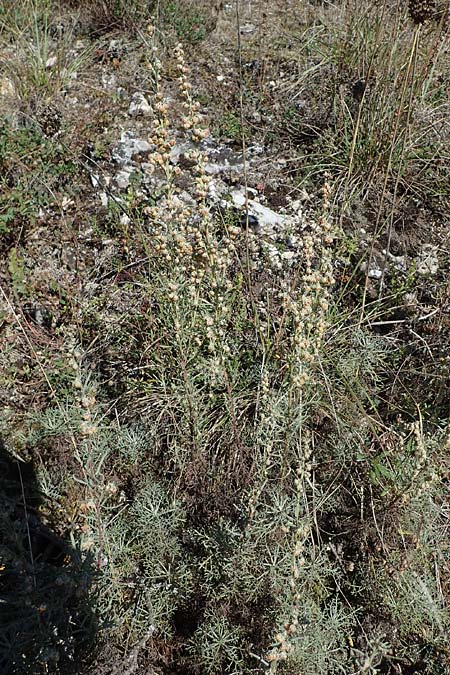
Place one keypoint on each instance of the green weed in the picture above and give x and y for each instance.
(188, 22)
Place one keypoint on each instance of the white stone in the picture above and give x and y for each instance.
(288, 255)
(296, 206)
(109, 80)
(266, 217)
(66, 202)
(51, 61)
(7, 88)
(373, 272)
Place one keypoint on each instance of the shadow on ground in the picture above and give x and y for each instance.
(46, 618)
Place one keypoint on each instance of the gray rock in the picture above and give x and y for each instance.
(427, 260)
(180, 149)
(289, 256)
(122, 178)
(139, 106)
(374, 271)
(109, 80)
(397, 261)
(122, 152)
(128, 147)
(247, 28)
(141, 147)
(103, 199)
(222, 159)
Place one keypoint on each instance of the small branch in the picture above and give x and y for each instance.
(129, 664)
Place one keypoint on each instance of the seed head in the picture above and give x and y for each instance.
(421, 10)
